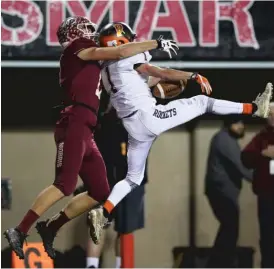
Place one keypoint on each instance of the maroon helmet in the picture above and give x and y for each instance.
(74, 27)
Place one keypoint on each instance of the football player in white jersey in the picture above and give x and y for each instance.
(127, 82)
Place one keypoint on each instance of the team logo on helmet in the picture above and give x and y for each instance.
(119, 29)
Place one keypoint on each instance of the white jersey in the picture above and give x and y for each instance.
(128, 89)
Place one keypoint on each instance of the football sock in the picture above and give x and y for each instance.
(108, 207)
(27, 221)
(249, 108)
(58, 221)
(223, 107)
(118, 262)
(120, 190)
(92, 261)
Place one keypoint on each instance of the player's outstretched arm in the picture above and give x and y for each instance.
(116, 53)
(127, 50)
(163, 73)
(172, 74)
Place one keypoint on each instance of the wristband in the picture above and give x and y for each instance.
(194, 76)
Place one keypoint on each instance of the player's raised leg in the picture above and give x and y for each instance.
(66, 178)
(68, 161)
(16, 236)
(164, 117)
(93, 174)
(48, 229)
(137, 155)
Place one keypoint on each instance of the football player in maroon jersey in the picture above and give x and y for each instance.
(77, 153)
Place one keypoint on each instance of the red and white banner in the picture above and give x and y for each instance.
(204, 29)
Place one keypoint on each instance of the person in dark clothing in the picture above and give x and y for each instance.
(223, 183)
(259, 155)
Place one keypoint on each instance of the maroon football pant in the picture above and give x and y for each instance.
(77, 154)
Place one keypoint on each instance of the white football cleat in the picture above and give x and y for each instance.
(263, 101)
(97, 222)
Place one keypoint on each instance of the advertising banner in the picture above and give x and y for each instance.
(206, 30)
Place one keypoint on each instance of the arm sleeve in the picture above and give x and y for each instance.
(251, 155)
(231, 151)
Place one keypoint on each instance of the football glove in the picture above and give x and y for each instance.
(205, 86)
(167, 46)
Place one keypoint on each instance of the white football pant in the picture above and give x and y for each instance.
(145, 125)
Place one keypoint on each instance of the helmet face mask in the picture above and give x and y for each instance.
(88, 29)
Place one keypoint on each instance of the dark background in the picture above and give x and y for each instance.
(28, 94)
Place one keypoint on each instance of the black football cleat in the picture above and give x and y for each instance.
(47, 237)
(16, 240)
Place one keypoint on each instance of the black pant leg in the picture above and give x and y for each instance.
(266, 223)
(226, 210)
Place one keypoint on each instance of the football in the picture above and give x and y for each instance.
(168, 89)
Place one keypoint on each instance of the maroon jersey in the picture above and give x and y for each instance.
(80, 82)
(263, 181)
